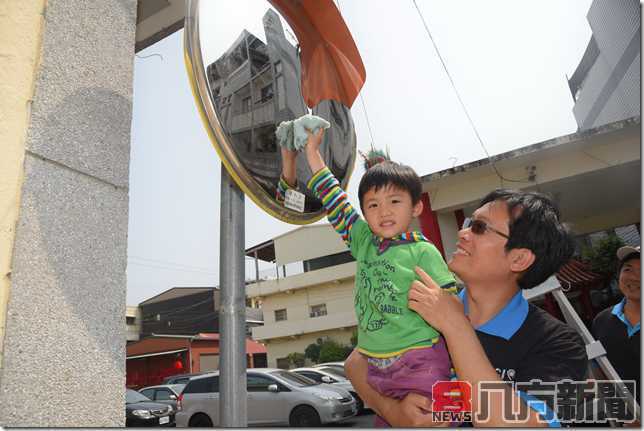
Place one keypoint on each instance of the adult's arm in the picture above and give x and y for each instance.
(445, 313)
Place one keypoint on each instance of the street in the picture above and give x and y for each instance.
(364, 420)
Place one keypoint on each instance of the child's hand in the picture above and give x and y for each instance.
(314, 141)
(312, 150)
(289, 170)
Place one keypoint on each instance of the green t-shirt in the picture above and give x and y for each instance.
(386, 270)
(386, 324)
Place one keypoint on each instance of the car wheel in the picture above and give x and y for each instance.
(304, 416)
(200, 420)
(359, 402)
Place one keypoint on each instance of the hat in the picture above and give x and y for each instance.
(623, 252)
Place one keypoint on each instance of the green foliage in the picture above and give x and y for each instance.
(602, 257)
(297, 359)
(354, 338)
(312, 352)
(327, 350)
(332, 351)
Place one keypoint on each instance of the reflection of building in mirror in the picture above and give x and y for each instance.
(254, 87)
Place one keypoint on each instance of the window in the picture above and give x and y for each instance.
(148, 393)
(267, 93)
(311, 375)
(280, 315)
(202, 386)
(278, 67)
(130, 320)
(163, 394)
(318, 310)
(255, 383)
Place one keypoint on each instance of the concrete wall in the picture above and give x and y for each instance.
(64, 344)
(611, 89)
(291, 247)
(338, 297)
(21, 26)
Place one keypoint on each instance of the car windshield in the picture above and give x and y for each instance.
(134, 397)
(294, 379)
(335, 372)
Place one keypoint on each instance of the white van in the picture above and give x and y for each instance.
(275, 397)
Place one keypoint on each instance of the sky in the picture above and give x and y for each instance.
(508, 59)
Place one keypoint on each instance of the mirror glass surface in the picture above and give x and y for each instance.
(244, 63)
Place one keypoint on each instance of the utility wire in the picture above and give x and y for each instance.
(431, 38)
(364, 106)
(165, 262)
(169, 268)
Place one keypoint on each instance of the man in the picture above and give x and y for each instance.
(514, 241)
(618, 327)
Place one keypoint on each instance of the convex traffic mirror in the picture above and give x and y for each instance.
(253, 64)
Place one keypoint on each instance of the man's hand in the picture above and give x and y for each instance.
(437, 307)
(413, 411)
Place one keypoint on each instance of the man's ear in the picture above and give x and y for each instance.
(521, 259)
(418, 209)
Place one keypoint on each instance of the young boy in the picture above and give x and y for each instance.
(404, 353)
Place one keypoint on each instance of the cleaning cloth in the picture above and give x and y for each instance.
(292, 134)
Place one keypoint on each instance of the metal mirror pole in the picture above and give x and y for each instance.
(232, 311)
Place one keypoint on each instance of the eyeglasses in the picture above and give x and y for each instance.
(479, 227)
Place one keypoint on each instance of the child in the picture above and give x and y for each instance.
(404, 353)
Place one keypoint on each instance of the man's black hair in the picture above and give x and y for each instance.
(630, 256)
(390, 173)
(535, 225)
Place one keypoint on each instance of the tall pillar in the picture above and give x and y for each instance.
(429, 224)
(64, 286)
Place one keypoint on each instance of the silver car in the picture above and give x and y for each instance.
(164, 394)
(332, 376)
(275, 397)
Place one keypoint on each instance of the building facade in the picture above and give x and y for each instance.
(132, 323)
(606, 84)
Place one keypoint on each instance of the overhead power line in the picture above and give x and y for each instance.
(458, 96)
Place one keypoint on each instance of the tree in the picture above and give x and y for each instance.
(312, 352)
(296, 358)
(331, 351)
(603, 256)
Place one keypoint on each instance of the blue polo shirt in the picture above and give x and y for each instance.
(524, 343)
(618, 311)
(621, 340)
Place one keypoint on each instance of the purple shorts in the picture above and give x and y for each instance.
(415, 371)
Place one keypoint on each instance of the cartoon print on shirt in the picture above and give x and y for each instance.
(374, 294)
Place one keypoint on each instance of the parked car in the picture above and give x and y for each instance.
(140, 411)
(179, 378)
(164, 394)
(331, 375)
(338, 366)
(275, 397)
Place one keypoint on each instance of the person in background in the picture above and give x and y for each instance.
(618, 327)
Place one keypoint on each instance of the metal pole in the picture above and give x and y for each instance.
(232, 311)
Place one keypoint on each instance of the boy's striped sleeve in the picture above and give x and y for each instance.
(282, 187)
(340, 212)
